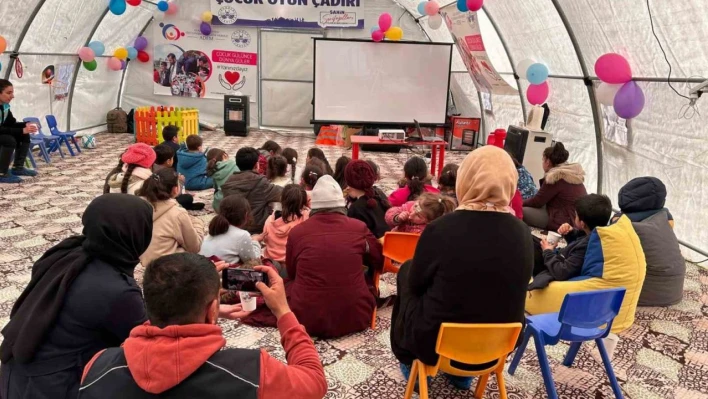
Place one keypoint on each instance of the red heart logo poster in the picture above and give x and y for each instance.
(232, 77)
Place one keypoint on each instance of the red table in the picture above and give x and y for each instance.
(435, 146)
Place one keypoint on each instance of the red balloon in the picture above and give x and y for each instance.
(613, 68)
(475, 5)
(537, 94)
(143, 56)
(134, 3)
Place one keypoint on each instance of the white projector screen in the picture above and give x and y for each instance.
(360, 81)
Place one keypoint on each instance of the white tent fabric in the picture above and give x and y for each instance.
(567, 35)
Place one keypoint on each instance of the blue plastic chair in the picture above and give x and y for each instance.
(52, 141)
(584, 316)
(64, 137)
(38, 142)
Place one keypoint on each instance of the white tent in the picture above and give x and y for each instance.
(567, 35)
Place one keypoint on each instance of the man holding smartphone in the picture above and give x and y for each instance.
(180, 349)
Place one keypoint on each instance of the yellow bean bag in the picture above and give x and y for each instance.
(614, 258)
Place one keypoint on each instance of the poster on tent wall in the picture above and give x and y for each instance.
(189, 64)
(312, 14)
(62, 80)
(464, 27)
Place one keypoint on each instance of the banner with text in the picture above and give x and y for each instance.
(189, 64)
(313, 14)
(464, 27)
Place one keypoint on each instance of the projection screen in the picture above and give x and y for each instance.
(360, 81)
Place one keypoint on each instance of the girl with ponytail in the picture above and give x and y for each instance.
(174, 230)
(364, 203)
(563, 183)
(228, 240)
(134, 167)
(416, 174)
(291, 156)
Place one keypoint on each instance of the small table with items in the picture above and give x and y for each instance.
(435, 147)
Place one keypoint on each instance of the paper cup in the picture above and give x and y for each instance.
(553, 238)
(247, 301)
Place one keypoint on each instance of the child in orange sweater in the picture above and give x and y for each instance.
(278, 225)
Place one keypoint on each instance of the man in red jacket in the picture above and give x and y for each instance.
(179, 352)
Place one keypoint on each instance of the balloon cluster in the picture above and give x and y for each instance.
(469, 5)
(205, 23)
(120, 58)
(617, 88)
(431, 8)
(537, 75)
(167, 8)
(118, 7)
(385, 30)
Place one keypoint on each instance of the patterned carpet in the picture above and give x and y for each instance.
(664, 355)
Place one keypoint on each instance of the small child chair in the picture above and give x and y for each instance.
(398, 247)
(468, 344)
(53, 141)
(39, 142)
(64, 137)
(584, 316)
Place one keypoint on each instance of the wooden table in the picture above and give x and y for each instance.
(435, 146)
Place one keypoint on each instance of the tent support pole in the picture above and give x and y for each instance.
(125, 71)
(78, 66)
(591, 92)
(511, 61)
(21, 38)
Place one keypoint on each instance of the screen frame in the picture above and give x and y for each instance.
(377, 123)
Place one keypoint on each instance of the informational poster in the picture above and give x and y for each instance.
(464, 27)
(62, 80)
(312, 14)
(189, 64)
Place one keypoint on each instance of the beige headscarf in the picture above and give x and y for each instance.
(486, 180)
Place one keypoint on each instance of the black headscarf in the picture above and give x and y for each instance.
(117, 230)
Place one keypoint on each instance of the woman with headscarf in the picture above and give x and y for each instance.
(82, 298)
(471, 266)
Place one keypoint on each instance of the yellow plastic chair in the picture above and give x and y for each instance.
(469, 344)
(397, 247)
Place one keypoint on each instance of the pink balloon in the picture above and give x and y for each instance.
(86, 54)
(114, 64)
(172, 9)
(377, 35)
(431, 8)
(385, 21)
(613, 68)
(475, 5)
(537, 94)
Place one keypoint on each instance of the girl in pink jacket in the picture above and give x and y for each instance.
(413, 216)
(278, 225)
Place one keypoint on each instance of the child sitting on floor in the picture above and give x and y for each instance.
(447, 182)
(170, 135)
(277, 170)
(193, 164)
(339, 167)
(164, 160)
(278, 226)
(413, 216)
(310, 175)
(219, 168)
(379, 192)
(291, 156)
(592, 211)
(174, 230)
(364, 204)
(228, 240)
(316, 153)
(270, 148)
(416, 173)
(134, 167)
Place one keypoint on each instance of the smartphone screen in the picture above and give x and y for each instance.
(242, 279)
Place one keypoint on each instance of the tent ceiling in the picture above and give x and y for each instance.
(658, 142)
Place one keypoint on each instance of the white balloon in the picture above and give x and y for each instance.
(523, 67)
(606, 93)
(435, 21)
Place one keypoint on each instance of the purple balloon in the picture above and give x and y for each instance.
(629, 101)
(205, 28)
(141, 43)
(123, 64)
